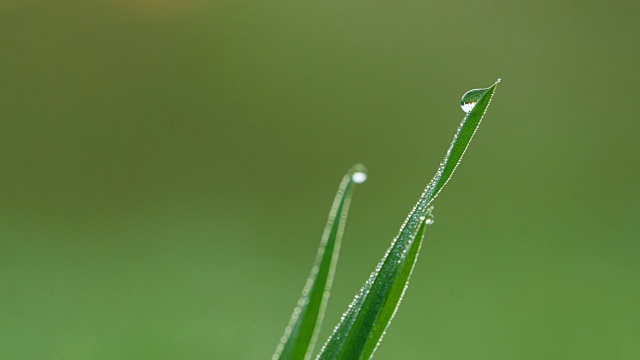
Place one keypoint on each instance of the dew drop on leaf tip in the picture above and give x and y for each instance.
(470, 98)
(359, 177)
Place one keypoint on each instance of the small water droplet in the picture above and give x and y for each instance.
(359, 177)
(470, 98)
(430, 219)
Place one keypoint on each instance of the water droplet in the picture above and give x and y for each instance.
(358, 173)
(470, 98)
(430, 219)
(359, 177)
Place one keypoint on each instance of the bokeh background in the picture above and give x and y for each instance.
(168, 167)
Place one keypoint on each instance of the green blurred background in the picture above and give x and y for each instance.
(168, 166)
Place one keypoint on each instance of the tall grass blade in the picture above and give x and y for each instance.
(365, 322)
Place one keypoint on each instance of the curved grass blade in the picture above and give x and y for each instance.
(363, 325)
(301, 333)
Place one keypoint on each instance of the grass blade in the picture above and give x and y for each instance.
(301, 333)
(363, 325)
(397, 289)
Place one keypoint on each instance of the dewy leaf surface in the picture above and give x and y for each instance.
(365, 322)
(301, 333)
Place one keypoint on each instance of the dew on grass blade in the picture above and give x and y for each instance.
(470, 98)
(359, 177)
(359, 174)
(430, 219)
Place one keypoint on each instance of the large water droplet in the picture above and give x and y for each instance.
(359, 177)
(470, 98)
(358, 173)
